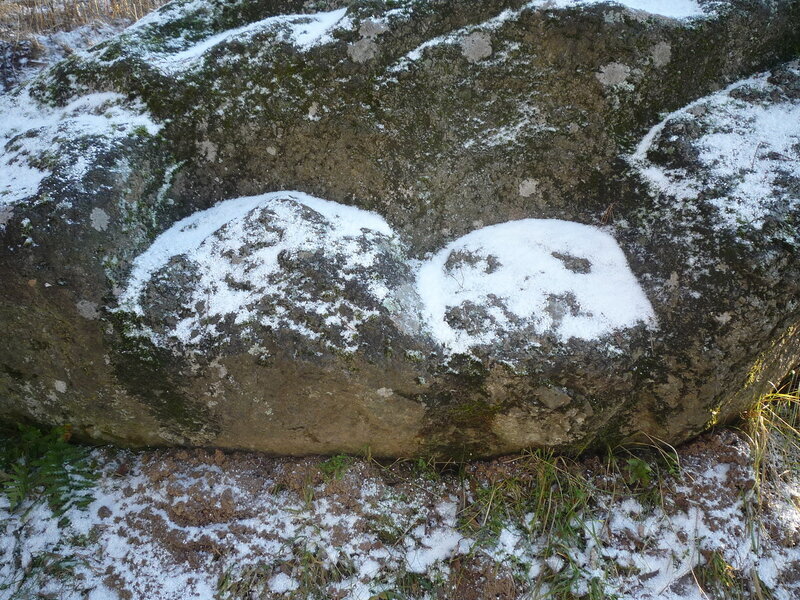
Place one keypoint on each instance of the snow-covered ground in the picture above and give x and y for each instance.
(183, 524)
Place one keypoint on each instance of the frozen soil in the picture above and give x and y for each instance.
(200, 523)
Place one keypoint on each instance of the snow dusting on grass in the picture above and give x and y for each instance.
(49, 48)
(545, 275)
(195, 524)
(739, 149)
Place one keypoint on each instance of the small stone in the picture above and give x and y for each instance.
(208, 149)
(371, 29)
(362, 50)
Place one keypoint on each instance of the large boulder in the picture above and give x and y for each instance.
(416, 227)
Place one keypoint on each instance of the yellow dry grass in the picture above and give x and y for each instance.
(21, 19)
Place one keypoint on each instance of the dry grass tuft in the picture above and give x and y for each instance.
(22, 19)
(773, 426)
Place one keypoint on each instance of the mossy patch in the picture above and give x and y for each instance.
(151, 374)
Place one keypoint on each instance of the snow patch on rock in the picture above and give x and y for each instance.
(237, 253)
(740, 145)
(534, 276)
(673, 9)
(33, 136)
(545, 275)
(53, 46)
(304, 31)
